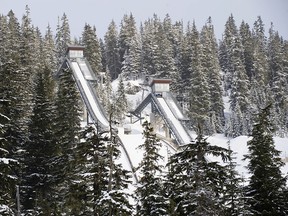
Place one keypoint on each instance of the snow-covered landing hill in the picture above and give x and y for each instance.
(135, 138)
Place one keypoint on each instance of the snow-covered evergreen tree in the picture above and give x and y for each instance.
(234, 200)
(90, 177)
(149, 45)
(131, 65)
(120, 103)
(278, 78)
(199, 101)
(114, 200)
(211, 69)
(67, 126)
(239, 95)
(92, 50)
(259, 93)
(229, 35)
(248, 48)
(266, 184)
(7, 167)
(149, 192)
(128, 33)
(112, 50)
(62, 38)
(194, 183)
(40, 150)
(15, 89)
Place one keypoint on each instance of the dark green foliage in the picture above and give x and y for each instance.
(195, 184)
(131, 65)
(7, 168)
(233, 191)
(266, 185)
(90, 176)
(248, 48)
(278, 78)
(114, 199)
(92, 51)
(62, 38)
(226, 50)
(211, 70)
(98, 182)
(128, 32)
(40, 150)
(199, 102)
(150, 197)
(14, 96)
(67, 127)
(112, 51)
(157, 50)
(120, 106)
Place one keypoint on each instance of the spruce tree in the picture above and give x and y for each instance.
(248, 48)
(239, 95)
(149, 192)
(266, 185)
(199, 90)
(185, 62)
(103, 55)
(67, 137)
(49, 49)
(40, 150)
(90, 175)
(149, 46)
(92, 50)
(131, 65)
(226, 50)
(120, 106)
(175, 35)
(211, 69)
(112, 51)
(259, 95)
(7, 167)
(128, 32)
(99, 181)
(114, 200)
(195, 183)
(164, 61)
(277, 76)
(62, 38)
(14, 89)
(233, 191)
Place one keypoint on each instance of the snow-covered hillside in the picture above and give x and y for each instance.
(135, 138)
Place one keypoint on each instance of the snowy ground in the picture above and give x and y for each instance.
(238, 144)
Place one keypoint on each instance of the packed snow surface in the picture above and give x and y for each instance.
(89, 94)
(178, 126)
(238, 145)
(86, 72)
(174, 108)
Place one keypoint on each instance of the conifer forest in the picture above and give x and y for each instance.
(50, 164)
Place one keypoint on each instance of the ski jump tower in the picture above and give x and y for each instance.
(85, 80)
(165, 111)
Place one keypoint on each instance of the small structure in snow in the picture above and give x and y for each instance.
(75, 52)
(159, 86)
(127, 129)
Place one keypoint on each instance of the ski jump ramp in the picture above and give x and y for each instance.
(88, 93)
(171, 114)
